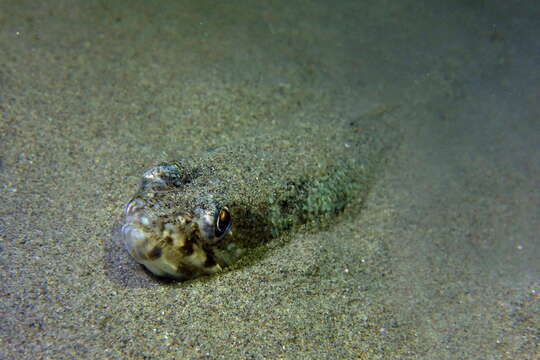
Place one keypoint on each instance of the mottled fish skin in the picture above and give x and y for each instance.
(197, 216)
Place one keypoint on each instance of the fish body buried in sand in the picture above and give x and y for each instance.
(197, 216)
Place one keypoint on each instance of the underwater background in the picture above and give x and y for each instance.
(439, 262)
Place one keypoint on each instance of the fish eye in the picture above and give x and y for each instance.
(223, 222)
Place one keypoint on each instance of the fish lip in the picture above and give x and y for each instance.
(133, 206)
(171, 240)
(173, 246)
(175, 252)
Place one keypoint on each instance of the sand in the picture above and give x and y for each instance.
(440, 262)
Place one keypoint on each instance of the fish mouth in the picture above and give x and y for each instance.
(176, 231)
(170, 246)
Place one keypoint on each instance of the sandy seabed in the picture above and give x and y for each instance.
(440, 262)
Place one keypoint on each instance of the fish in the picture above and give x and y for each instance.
(197, 216)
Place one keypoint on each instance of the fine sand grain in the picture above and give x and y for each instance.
(440, 262)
